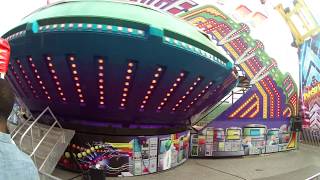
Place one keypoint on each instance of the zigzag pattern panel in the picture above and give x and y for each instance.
(248, 110)
(309, 56)
(314, 113)
(278, 91)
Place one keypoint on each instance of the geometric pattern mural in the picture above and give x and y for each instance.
(273, 95)
(309, 57)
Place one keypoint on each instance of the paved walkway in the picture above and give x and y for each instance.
(292, 165)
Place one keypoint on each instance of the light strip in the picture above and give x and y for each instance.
(26, 78)
(154, 82)
(38, 77)
(75, 76)
(174, 86)
(191, 48)
(187, 93)
(16, 35)
(17, 78)
(55, 77)
(127, 83)
(203, 92)
(89, 27)
(101, 83)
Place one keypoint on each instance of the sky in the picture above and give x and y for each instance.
(273, 32)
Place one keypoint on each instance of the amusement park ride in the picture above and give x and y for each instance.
(129, 80)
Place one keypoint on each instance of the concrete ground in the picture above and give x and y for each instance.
(292, 165)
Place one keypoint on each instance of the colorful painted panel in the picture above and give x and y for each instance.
(249, 54)
(126, 156)
(235, 141)
(309, 55)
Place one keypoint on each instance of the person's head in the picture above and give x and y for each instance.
(6, 103)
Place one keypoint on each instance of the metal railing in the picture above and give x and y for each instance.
(314, 177)
(16, 131)
(211, 110)
(311, 136)
(227, 98)
(30, 129)
(46, 176)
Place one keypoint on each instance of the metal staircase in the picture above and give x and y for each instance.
(44, 143)
(203, 118)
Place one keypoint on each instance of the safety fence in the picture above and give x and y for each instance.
(311, 136)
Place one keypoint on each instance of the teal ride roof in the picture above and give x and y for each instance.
(127, 12)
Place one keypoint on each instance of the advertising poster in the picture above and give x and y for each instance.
(145, 151)
(165, 154)
(173, 150)
(194, 145)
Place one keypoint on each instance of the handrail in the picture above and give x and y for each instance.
(54, 117)
(44, 136)
(203, 117)
(217, 105)
(56, 122)
(40, 168)
(49, 176)
(31, 125)
(22, 125)
(314, 176)
(36, 145)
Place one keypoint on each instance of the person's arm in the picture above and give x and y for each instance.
(33, 172)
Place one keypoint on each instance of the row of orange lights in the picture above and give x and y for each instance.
(253, 98)
(171, 90)
(188, 92)
(101, 81)
(203, 91)
(278, 96)
(272, 98)
(17, 77)
(152, 86)
(76, 78)
(26, 78)
(259, 67)
(127, 83)
(55, 78)
(37, 75)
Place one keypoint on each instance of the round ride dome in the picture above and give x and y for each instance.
(102, 65)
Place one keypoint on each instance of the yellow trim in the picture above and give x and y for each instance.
(248, 110)
(261, 90)
(210, 10)
(195, 20)
(299, 8)
(121, 145)
(249, 73)
(246, 69)
(255, 112)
